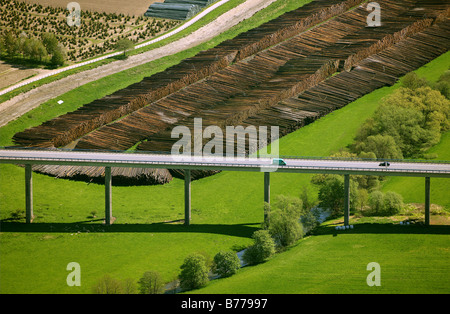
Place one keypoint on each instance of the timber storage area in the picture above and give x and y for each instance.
(287, 72)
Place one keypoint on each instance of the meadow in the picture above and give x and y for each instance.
(226, 209)
(411, 260)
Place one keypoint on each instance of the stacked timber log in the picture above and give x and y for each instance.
(379, 70)
(274, 78)
(63, 130)
(122, 176)
(219, 95)
(293, 76)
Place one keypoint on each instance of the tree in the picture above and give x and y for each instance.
(285, 227)
(382, 146)
(151, 283)
(413, 118)
(58, 58)
(382, 204)
(431, 103)
(50, 42)
(262, 249)
(107, 285)
(128, 286)
(226, 263)
(393, 203)
(331, 194)
(32, 48)
(376, 202)
(443, 84)
(413, 81)
(124, 45)
(309, 222)
(363, 198)
(10, 42)
(307, 199)
(194, 273)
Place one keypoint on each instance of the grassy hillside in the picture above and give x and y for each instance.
(226, 209)
(410, 260)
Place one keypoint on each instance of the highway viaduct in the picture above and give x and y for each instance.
(29, 157)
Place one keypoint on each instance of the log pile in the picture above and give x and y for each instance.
(122, 176)
(278, 74)
(379, 70)
(63, 130)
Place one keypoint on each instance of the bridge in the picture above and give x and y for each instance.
(346, 167)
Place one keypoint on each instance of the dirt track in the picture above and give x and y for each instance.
(19, 105)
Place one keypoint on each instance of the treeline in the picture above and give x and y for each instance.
(408, 122)
(44, 49)
(405, 125)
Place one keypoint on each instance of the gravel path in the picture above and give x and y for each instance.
(21, 104)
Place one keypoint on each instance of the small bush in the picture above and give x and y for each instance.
(262, 249)
(309, 222)
(226, 263)
(285, 229)
(393, 203)
(376, 203)
(284, 225)
(194, 272)
(413, 81)
(387, 204)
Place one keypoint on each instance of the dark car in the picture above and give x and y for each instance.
(384, 164)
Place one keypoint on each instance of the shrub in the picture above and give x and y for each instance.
(309, 222)
(331, 193)
(194, 272)
(443, 84)
(393, 203)
(151, 283)
(124, 45)
(284, 225)
(262, 249)
(406, 124)
(226, 263)
(285, 228)
(376, 202)
(413, 81)
(387, 204)
(107, 285)
(58, 58)
(128, 286)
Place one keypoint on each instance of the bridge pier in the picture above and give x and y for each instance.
(28, 194)
(108, 196)
(427, 201)
(346, 200)
(267, 187)
(266, 194)
(187, 197)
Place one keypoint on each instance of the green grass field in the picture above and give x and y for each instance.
(226, 210)
(411, 261)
